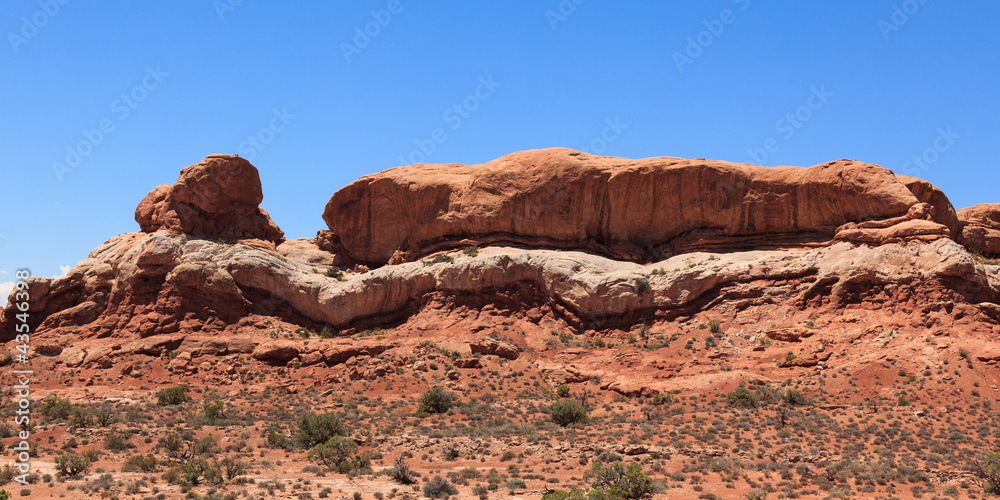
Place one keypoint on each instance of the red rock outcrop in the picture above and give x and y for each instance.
(980, 228)
(637, 210)
(217, 197)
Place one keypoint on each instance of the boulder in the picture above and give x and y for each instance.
(217, 197)
(489, 345)
(980, 228)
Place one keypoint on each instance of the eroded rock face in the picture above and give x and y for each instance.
(980, 228)
(895, 249)
(637, 210)
(217, 197)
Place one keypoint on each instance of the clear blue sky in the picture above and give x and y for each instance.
(200, 77)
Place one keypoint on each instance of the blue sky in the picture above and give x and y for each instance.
(139, 90)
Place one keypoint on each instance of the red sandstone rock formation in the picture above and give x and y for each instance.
(218, 197)
(636, 210)
(980, 226)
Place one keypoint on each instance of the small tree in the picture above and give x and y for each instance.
(437, 400)
(562, 391)
(568, 411)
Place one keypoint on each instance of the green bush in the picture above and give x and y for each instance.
(620, 481)
(213, 412)
(515, 484)
(642, 285)
(562, 391)
(575, 494)
(568, 411)
(334, 273)
(439, 487)
(436, 400)
(988, 471)
(56, 408)
(714, 327)
(71, 464)
(116, 441)
(471, 251)
(339, 454)
(315, 429)
(139, 463)
(104, 415)
(401, 472)
(742, 398)
(4, 495)
(795, 397)
(172, 396)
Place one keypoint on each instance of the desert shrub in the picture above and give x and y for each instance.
(714, 327)
(4, 495)
(172, 396)
(471, 251)
(439, 487)
(233, 467)
(71, 464)
(116, 441)
(206, 446)
(741, 398)
(139, 463)
(7, 474)
(575, 494)
(338, 454)
(213, 412)
(437, 400)
(987, 469)
(56, 408)
(642, 285)
(316, 429)
(515, 484)
(795, 397)
(562, 391)
(104, 415)
(175, 447)
(568, 411)
(334, 273)
(620, 481)
(401, 472)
